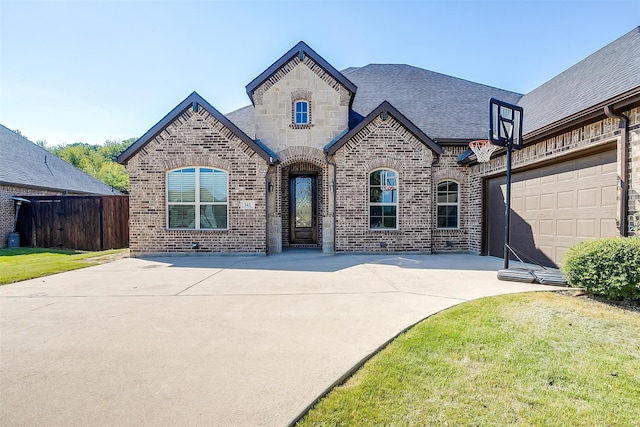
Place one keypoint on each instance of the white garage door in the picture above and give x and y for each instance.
(555, 207)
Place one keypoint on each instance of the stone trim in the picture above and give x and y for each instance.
(299, 154)
(288, 67)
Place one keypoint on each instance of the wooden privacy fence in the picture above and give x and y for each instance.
(90, 223)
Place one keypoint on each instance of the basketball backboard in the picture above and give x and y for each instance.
(505, 122)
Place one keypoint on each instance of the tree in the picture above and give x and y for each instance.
(97, 160)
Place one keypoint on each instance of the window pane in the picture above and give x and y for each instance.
(182, 216)
(375, 195)
(389, 210)
(213, 216)
(303, 202)
(182, 185)
(375, 222)
(374, 178)
(389, 178)
(452, 198)
(375, 210)
(389, 196)
(389, 222)
(302, 112)
(213, 185)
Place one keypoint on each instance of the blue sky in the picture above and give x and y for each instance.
(88, 71)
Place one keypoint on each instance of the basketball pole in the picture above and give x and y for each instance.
(507, 207)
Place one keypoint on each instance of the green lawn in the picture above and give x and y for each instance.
(28, 263)
(537, 359)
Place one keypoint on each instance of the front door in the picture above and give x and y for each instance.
(302, 209)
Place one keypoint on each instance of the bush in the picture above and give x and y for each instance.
(607, 267)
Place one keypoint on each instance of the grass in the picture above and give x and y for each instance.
(18, 264)
(537, 359)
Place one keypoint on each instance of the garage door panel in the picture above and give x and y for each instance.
(588, 197)
(608, 227)
(547, 201)
(587, 228)
(564, 228)
(565, 199)
(555, 207)
(547, 227)
(609, 195)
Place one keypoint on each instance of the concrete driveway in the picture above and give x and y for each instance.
(213, 341)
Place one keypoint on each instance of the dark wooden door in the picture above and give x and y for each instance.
(302, 209)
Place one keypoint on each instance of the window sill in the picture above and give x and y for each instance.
(307, 126)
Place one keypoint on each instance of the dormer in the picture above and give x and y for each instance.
(300, 100)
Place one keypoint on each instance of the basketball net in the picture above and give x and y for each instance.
(483, 149)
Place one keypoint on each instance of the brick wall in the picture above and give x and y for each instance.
(447, 169)
(196, 139)
(384, 144)
(7, 207)
(599, 133)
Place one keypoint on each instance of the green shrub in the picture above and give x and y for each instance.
(607, 267)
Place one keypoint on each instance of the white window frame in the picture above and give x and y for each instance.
(457, 204)
(197, 203)
(396, 203)
(295, 112)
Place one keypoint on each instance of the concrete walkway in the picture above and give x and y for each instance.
(213, 341)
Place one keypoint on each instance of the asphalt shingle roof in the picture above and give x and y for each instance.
(22, 163)
(611, 71)
(441, 106)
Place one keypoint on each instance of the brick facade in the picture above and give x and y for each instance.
(384, 144)
(600, 133)
(196, 139)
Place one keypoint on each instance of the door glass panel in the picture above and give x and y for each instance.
(304, 193)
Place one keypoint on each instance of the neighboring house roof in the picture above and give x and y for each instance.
(301, 49)
(442, 106)
(264, 152)
(25, 164)
(610, 73)
(384, 109)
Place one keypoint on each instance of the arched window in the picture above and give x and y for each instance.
(448, 204)
(301, 116)
(197, 199)
(383, 199)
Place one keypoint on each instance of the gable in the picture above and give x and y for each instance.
(195, 101)
(301, 53)
(383, 111)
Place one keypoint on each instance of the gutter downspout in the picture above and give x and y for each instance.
(624, 167)
(335, 191)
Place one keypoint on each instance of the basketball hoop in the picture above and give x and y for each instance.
(483, 149)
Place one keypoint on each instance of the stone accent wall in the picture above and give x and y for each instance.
(329, 113)
(7, 207)
(384, 144)
(447, 169)
(596, 134)
(196, 139)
